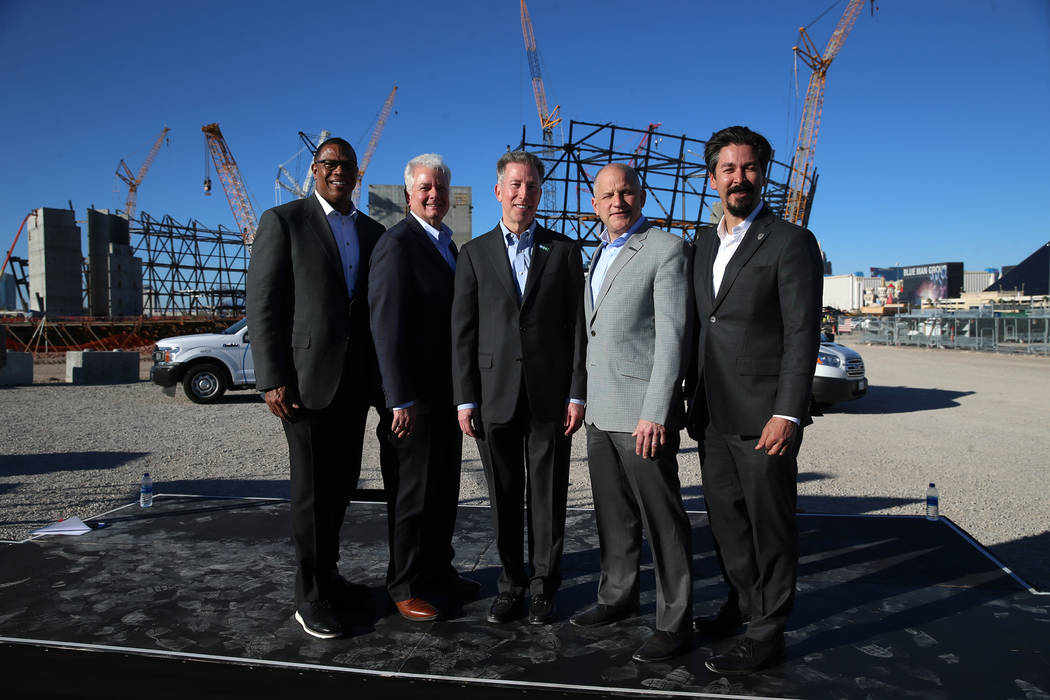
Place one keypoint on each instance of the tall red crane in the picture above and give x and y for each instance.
(133, 181)
(548, 119)
(797, 209)
(232, 183)
(376, 133)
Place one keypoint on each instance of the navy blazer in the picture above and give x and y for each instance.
(410, 299)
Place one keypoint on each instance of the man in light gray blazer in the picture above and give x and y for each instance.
(639, 315)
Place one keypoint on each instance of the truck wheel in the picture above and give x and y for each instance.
(204, 383)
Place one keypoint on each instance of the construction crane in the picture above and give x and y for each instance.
(376, 133)
(232, 183)
(644, 142)
(548, 119)
(286, 181)
(798, 198)
(133, 181)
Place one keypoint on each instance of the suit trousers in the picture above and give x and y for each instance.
(751, 499)
(324, 449)
(633, 495)
(421, 480)
(526, 461)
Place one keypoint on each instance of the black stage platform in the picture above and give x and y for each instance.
(192, 598)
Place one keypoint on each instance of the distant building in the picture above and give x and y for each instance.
(851, 292)
(931, 282)
(978, 280)
(386, 204)
(114, 273)
(55, 259)
(1031, 276)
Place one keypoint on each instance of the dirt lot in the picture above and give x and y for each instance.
(974, 423)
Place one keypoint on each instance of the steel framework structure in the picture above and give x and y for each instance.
(189, 269)
(672, 169)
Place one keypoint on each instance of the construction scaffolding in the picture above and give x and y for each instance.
(672, 169)
(189, 269)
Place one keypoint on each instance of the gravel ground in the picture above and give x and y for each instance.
(974, 423)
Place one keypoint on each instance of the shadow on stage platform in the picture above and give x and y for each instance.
(192, 598)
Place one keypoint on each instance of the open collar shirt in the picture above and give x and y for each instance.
(344, 229)
(442, 240)
(519, 253)
(607, 252)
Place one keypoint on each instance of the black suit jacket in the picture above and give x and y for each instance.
(496, 339)
(301, 320)
(758, 339)
(410, 297)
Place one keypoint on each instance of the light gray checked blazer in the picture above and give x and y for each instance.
(639, 330)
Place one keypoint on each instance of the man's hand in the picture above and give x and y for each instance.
(574, 413)
(404, 421)
(777, 436)
(649, 437)
(283, 402)
(468, 418)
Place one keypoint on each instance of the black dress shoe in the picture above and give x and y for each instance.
(464, 588)
(350, 595)
(319, 620)
(664, 645)
(747, 656)
(600, 614)
(727, 623)
(505, 608)
(541, 609)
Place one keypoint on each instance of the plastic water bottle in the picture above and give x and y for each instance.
(146, 491)
(932, 503)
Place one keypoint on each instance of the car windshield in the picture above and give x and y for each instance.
(236, 328)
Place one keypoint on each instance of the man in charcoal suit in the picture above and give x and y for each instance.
(757, 284)
(518, 358)
(315, 364)
(639, 314)
(410, 295)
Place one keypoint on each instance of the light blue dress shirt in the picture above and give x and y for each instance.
(519, 254)
(607, 253)
(442, 240)
(344, 229)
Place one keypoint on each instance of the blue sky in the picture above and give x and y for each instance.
(934, 143)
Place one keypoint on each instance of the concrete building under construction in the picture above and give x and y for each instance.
(55, 263)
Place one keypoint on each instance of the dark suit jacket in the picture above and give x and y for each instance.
(301, 319)
(410, 297)
(758, 340)
(495, 340)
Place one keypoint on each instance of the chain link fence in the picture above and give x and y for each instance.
(1026, 332)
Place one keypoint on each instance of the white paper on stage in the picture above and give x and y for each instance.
(69, 526)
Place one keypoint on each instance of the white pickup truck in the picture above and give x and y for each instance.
(207, 364)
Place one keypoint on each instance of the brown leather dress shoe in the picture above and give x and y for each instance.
(417, 609)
